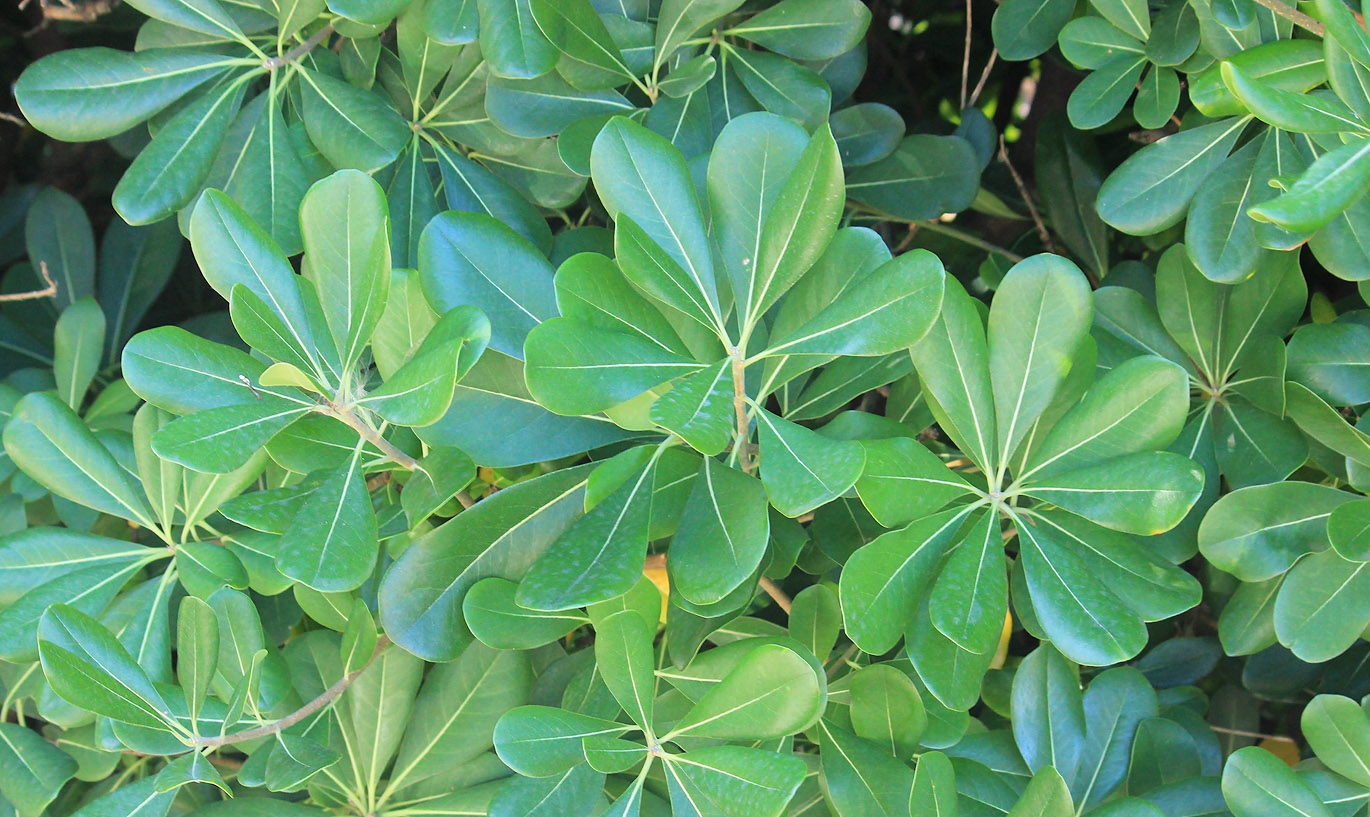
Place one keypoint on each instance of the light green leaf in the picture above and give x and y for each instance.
(51, 444)
(802, 469)
(722, 535)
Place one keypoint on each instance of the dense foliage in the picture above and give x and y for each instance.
(710, 408)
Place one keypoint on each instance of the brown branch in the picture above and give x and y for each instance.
(984, 76)
(326, 697)
(1246, 734)
(744, 457)
(272, 63)
(776, 594)
(46, 292)
(371, 435)
(1042, 232)
(965, 58)
(1297, 17)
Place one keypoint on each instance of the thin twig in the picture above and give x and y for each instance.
(1297, 17)
(1246, 734)
(372, 436)
(984, 77)
(465, 499)
(744, 457)
(18, 120)
(1042, 232)
(965, 58)
(275, 727)
(776, 594)
(46, 292)
(272, 63)
(972, 240)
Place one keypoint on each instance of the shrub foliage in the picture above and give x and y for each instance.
(638, 407)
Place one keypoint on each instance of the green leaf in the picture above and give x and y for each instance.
(1142, 579)
(807, 29)
(771, 693)
(802, 469)
(887, 709)
(331, 545)
(722, 534)
(859, 777)
(567, 793)
(86, 666)
(204, 16)
(57, 233)
(541, 741)
(344, 225)
(574, 368)
(753, 160)
(735, 781)
(511, 40)
(454, 715)
(891, 308)
(816, 618)
(599, 557)
(1025, 28)
(1288, 110)
(699, 408)
(882, 583)
(1070, 172)
(1259, 532)
(641, 176)
(1329, 358)
(1258, 784)
(1219, 236)
(1152, 189)
(1048, 709)
(197, 651)
(78, 345)
(1331, 184)
(1139, 405)
(219, 440)
(1104, 93)
(934, 786)
(624, 659)
(181, 373)
(1079, 611)
(51, 445)
(1157, 98)
(32, 770)
(970, 595)
(576, 28)
(1322, 422)
(903, 481)
(679, 20)
(352, 128)
(295, 760)
(85, 94)
(1338, 732)
(439, 476)
(1044, 312)
(1145, 493)
(953, 366)
(168, 173)
(420, 391)
(470, 259)
(498, 621)
(923, 178)
(36, 555)
(232, 250)
(1046, 795)
(1116, 702)
(1321, 610)
(421, 595)
(546, 105)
